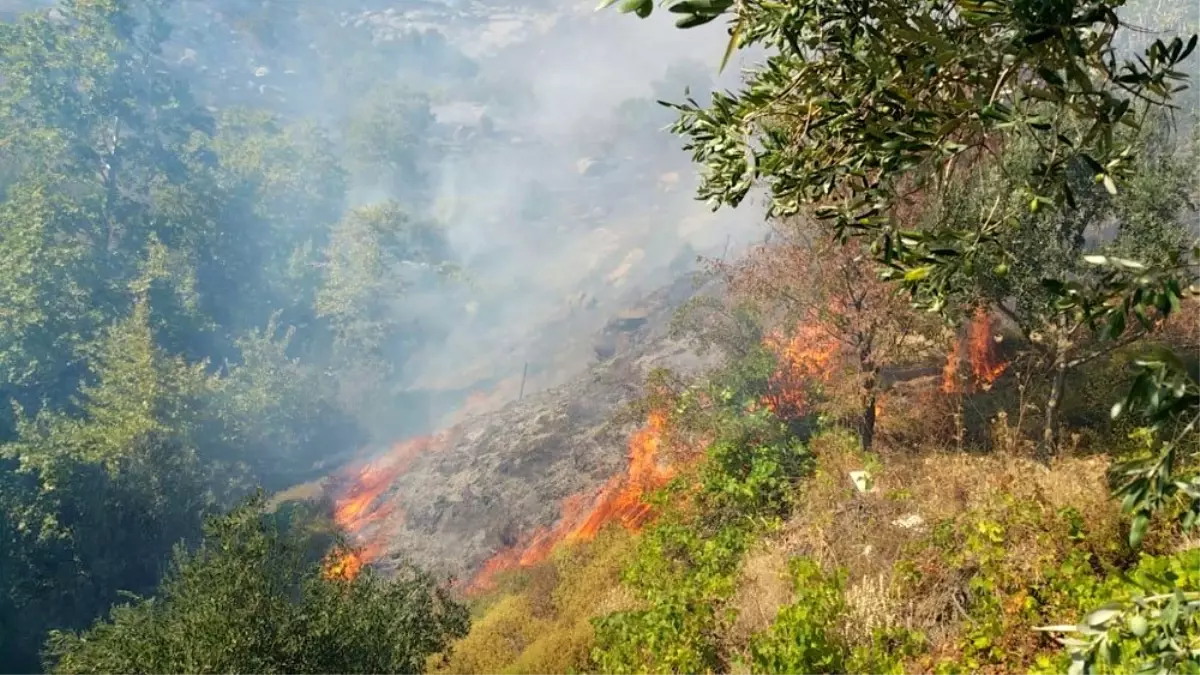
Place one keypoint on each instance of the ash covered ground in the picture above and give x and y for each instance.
(451, 500)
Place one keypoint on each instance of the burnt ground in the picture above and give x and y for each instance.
(501, 474)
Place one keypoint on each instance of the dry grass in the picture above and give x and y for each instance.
(763, 588)
(876, 535)
(540, 620)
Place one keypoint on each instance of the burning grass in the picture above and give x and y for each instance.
(950, 559)
(537, 619)
(361, 511)
(977, 350)
(805, 360)
(620, 501)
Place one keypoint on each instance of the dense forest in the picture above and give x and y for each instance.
(954, 427)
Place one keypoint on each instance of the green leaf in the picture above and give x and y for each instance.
(693, 20)
(1116, 325)
(734, 36)
(918, 273)
(1102, 616)
(1137, 529)
(641, 8)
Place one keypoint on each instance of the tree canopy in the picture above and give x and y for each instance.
(868, 116)
(251, 599)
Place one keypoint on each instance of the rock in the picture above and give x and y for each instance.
(910, 521)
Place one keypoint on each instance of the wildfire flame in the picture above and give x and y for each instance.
(981, 356)
(359, 505)
(803, 358)
(621, 500)
(343, 564)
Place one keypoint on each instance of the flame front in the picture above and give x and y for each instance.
(361, 508)
(985, 366)
(621, 500)
(803, 358)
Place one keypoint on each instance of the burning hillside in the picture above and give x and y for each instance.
(500, 488)
(620, 500)
(505, 482)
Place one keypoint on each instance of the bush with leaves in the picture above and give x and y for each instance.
(251, 598)
(865, 111)
(685, 568)
(1153, 629)
(804, 637)
(809, 635)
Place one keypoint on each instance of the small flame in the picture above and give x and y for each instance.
(344, 564)
(950, 370)
(980, 349)
(621, 500)
(362, 506)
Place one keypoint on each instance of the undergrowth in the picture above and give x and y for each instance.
(765, 557)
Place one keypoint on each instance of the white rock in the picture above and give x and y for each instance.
(909, 522)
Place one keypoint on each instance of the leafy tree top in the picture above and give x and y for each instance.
(252, 598)
(862, 104)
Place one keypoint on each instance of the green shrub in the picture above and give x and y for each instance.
(685, 569)
(1151, 622)
(805, 636)
(249, 600)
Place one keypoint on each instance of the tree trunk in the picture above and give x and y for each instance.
(870, 397)
(1049, 444)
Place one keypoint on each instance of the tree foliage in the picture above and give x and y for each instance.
(250, 599)
(865, 113)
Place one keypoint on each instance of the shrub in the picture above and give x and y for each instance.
(250, 600)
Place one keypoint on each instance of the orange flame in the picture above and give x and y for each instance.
(982, 349)
(621, 500)
(803, 359)
(360, 504)
(985, 366)
(343, 564)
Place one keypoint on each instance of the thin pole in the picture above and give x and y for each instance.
(524, 372)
